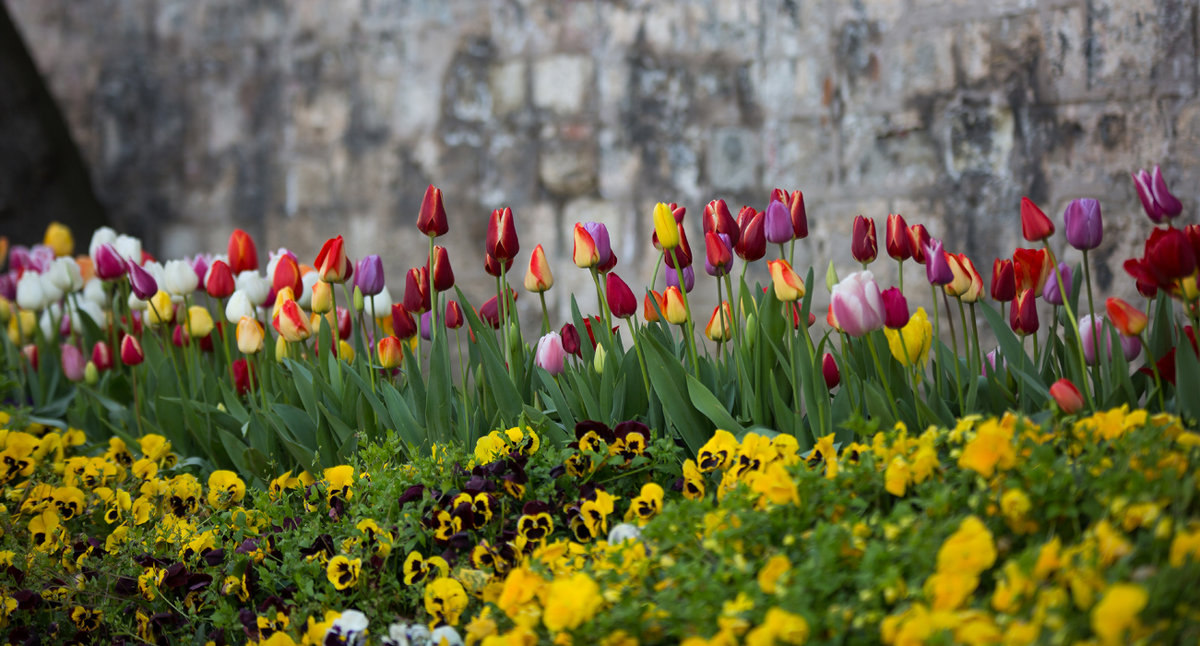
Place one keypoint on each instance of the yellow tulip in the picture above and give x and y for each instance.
(58, 237)
(918, 336)
(199, 322)
(665, 227)
(160, 309)
(249, 335)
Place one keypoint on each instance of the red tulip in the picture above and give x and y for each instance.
(717, 219)
(895, 308)
(443, 275)
(292, 323)
(416, 290)
(31, 354)
(1129, 320)
(795, 204)
(242, 254)
(570, 339)
(919, 237)
(243, 376)
(102, 356)
(403, 325)
(1004, 281)
(718, 254)
(501, 240)
(131, 351)
(682, 253)
(1035, 226)
(1022, 314)
(1067, 396)
(493, 266)
(109, 264)
(332, 264)
(621, 301)
(344, 323)
(432, 219)
(752, 245)
(1031, 269)
(1167, 257)
(287, 274)
(829, 370)
(489, 312)
(898, 241)
(863, 244)
(219, 283)
(454, 315)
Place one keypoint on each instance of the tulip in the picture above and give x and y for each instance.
(550, 355)
(1158, 202)
(689, 277)
(322, 297)
(652, 300)
(131, 351)
(199, 322)
(1090, 326)
(102, 356)
(291, 323)
(919, 238)
(1192, 231)
(379, 305)
(585, 254)
(898, 242)
(390, 352)
(1022, 314)
(160, 310)
(720, 324)
(895, 308)
(788, 284)
(141, 282)
(8, 286)
(72, 361)
(31, 355)
(829, 370)
(598, 234)
(777, 223)
(344, 323)
(795, 204)
(242, 254)
(1004, 282)
(910, 344)
(967, 285)
(1085, 229)
(403, 325)
(717, 219)
(1031, 269)
(101, 236)
(282, 297)
(489, 312)
(857, 304)
(332, 265)
(863, 244)
(937, 267)
(677, 213)
(256, 287)
(249, 335)
(1128, 320)
(494, 267)
(426, 323)
(831, 319)
(243, 376)
(752, 245)
(356, 300)
(718, 254)
(443, 275)
(416, 290)
(454, 315)
(665, 227)
(1167, 257)
(1067, 396)
(432, 218)
(599, 358)
(681, 255)
(64, 275)
(368, 276)
(218, 282)
(58, 237)
(676, 312)
(50, 291)
(30, 295)
(621, 301)
(1035, 226)
(501, 242)
(570, 339)
(287, 274)
(238, 307)
(538, 277)
(91, 374)
(1050, 292)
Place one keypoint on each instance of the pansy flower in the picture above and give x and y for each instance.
(343, 571)
(418, 569)
(445, 601)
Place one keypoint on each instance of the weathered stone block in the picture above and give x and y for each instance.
(560, 83)
(732, 159)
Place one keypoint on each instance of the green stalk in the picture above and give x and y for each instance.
(600, 297)
(937, 336)
(900, 273)
(1098, 374)
(641, 359)
(1162, 405)
(690, 323)
(1087, 392)
(795, 375)
(433, 298)
(962, 316)
(735, 306)
(978, 352)
(545, 313)
(887, 388)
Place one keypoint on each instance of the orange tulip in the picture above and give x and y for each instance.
(242, 254)
(1128, 320)
(653, 298)
(391, 354)
(538, 278)
(675, 312)
(720, 326)
(291, 323)
(788, 284)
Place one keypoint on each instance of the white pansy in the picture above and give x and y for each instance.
(350, 628)
(445, 636)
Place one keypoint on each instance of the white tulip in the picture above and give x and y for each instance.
(50, 292)
(239, 305)
(103, 235)
(82, 308)
(93, 292)
(129, 247)
(304, 298)
(181, 279)
(30, 295)
(64, 274)
(256, 287)
(379, 304)
(136, 304)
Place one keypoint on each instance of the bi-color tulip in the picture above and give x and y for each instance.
(1160, 205)
(241, 252)
(864, 246)
(787, 283)
(291, 323)
(857, 304)
(1128, 320)
(332, 265)
(538, 278)
(501, 242)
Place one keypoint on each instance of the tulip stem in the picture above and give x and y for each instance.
(689, 324)
(1087, 277)
(1162, 405)
(601, 298)
(900, 273)
(735, 306)
(978, 352)
(433, 299)
(796, 380)
(641, 359)
(137, 407)
(962, 316)
(887, 388)
(1087, 392)
(724, 323)
(545, 314)
(503, 320)
(937, 342)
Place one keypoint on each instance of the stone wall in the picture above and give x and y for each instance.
(300, 119)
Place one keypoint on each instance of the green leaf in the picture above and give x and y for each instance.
(708, 405)
(1187, 379)
(667, 378)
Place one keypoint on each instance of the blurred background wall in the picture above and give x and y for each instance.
(301, 119)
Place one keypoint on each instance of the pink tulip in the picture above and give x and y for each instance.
(550, 353)
(857, 304)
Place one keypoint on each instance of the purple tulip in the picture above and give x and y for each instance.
(599, 234)
(689, 278)
(1050, 292)
(143, 284)
(937, 269)
(426, 321)
(895, 308)
(8, 285)
(777, 223)
(1090, 326)
(1156, 199)
(368, 275)
(857, 304)
(19, 259)
(200, 265)
(109, 264)
(1085, 229)
(550, 353)
(73, 363)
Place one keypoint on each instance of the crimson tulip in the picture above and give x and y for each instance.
(1031, 269)
(102, 356)
(895, 308)
(829, 370)
(501, 242)
(1022, 314)
(918, 235)
(863, 244)
(570, 339)
(1035, 226)
(898, 241)
(1167, 257)
(416, 290)
(242, 254)
(131, 351)
(443, 274)
(717, 219)
(718, 253)
(752, 244)
(1004, 282)
(219, 282)
(621, 301)
(432, 218)
(403, 325)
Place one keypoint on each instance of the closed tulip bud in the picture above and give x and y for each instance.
(58, 237)
(242, 254)
(752, 245)
(718, 219)
(344, 323)
(159, 309)
(357, 299)
(681, 254)
(238, 307)
(1067, 396)
(495, 267)
(1031, 269)
(199, 322)
(131, 351)
(403, 325)
(250, 335)
(443, 275)
(676, 312)
(570, 339)
(219, 282)
(256, 287)
(898, 241)
(91, 374)
(788, 284)
(1022, 314)
(102, 356)
(621, 301)
(777, 223)
(416, 290)
(652, 300)
(30, 295)
(857, 304)
(282, 297)
(389, 352)
(332, 265)
(550, 355)
(718, 254)
(720, 324)
(599, 358)
(426, 323)
(961, 280)
(864, 246)
(281, 349)
(1004, 281)
(1035, 226)
(831, 276)
(501, 242)
(322, 297)
(829, 370)
(910, 344)
(432, 219)
(585, 254)
(291, 323)
(31, 355)
(287, 275)
(665, 227)
(895, 308)
(795, 204)
(72, 362)
(1128, 320)
(1160, 205)
(1050, 292)
(688, 275)
(1085, 227)
(538, 277)
(937, 267)
(599, 235)
(454, 315)
(243, 376)
(368, 276)
(64, 275)
(141, 282)
(489, 312)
